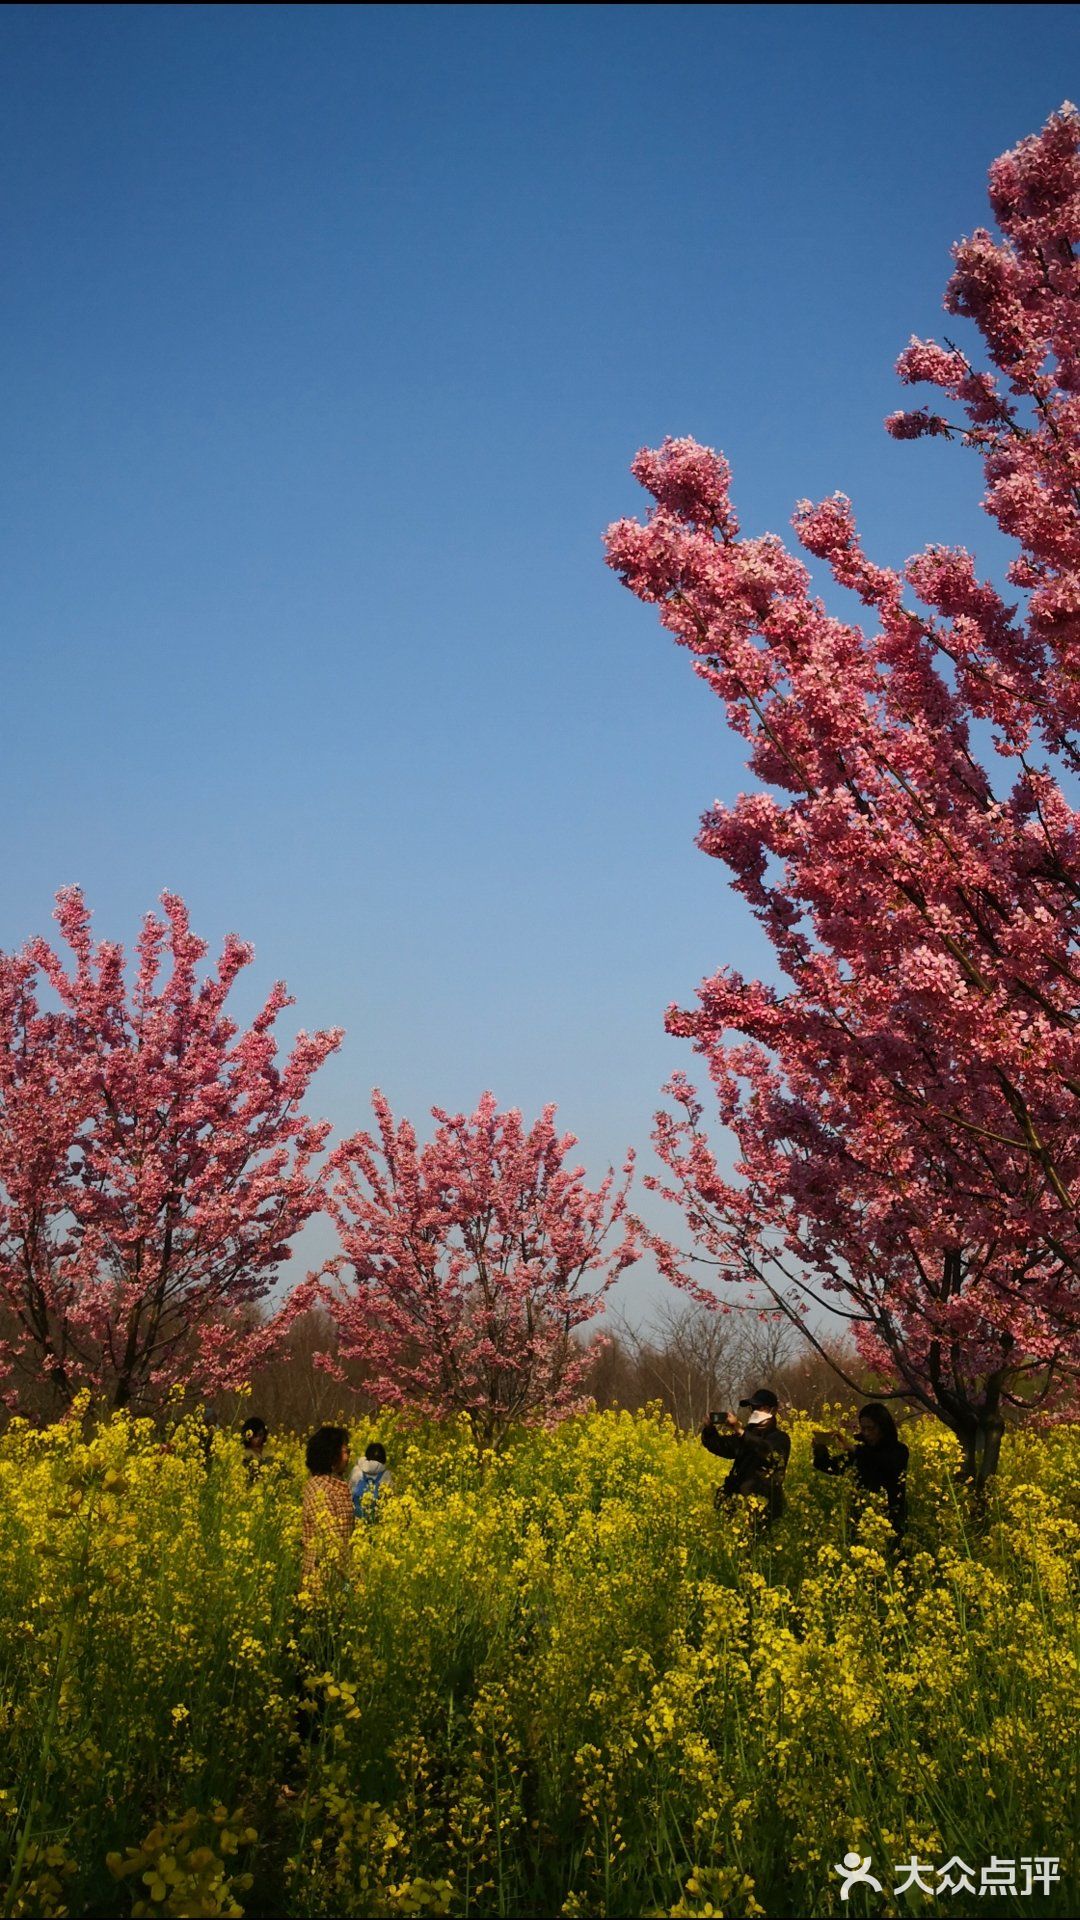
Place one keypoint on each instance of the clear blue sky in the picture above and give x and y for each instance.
(328, 334)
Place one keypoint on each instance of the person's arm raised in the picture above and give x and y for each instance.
(722, 1442)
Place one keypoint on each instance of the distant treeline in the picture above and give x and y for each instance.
(688, 1358)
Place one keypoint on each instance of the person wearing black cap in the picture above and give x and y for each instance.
(758, 1452)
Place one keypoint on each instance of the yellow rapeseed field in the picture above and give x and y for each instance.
(561, 1684)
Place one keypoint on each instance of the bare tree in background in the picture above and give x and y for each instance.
(693, 1360)
(767, 1346)
(690, 1355)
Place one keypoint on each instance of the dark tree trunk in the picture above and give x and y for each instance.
(981, 1441)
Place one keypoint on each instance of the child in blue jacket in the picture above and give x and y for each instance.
(369, 1480)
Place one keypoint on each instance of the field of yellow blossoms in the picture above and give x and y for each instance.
(564, 1684)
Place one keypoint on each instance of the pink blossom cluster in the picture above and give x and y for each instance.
(906, 1108)
(155, 1163)
(1022, 413)
(470, 1263)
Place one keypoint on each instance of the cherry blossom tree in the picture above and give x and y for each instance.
(905, 1106)
(154, 1163)
(470, 1263)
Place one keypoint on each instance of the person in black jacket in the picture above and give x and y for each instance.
(758, 1452)
(254, 1433)
(878, 1459)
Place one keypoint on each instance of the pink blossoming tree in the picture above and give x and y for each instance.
(154, 1164)
(470, 1263)
(907, 1109)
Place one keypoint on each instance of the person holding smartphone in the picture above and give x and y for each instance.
(876, 1458)
(759, 1451)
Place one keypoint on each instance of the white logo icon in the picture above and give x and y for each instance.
(855, 1872)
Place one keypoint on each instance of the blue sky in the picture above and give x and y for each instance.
(327, 336)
